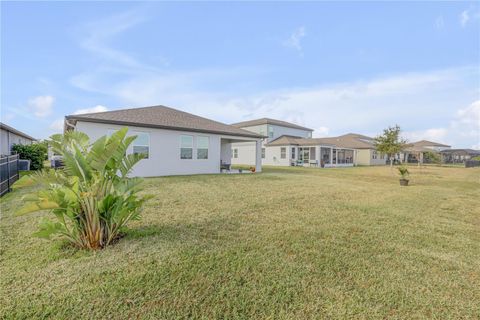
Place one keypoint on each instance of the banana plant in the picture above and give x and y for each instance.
(91, 197)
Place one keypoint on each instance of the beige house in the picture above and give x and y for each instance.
(365, 152)
(289, 144)
(415, 151)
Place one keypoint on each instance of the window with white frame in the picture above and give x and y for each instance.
(293, 153)
(235, 153)
(141, 145)
(202, 148)
(186, 147)
(374, 154)
(283, 153)
(263, 153)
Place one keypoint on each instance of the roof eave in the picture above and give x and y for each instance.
(144, 125)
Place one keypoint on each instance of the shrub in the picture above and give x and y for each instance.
(432, 157)
(91, 198)
(35, 152)
(403, 171)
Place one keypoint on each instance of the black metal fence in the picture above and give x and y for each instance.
(472, 163)
(8, 172)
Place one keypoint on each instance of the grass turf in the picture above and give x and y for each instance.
(288, 243)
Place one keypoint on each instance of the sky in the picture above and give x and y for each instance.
(336, 67)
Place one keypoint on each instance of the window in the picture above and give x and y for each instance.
(186, 147)
(141, 145)
(283, 153)
(235, 153)
(270, 132)
(202, 148)
(374, 154)
(293, 153)
(263, 153)
(325, 155)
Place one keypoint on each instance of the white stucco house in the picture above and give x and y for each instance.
(10, 136)
(174, 142)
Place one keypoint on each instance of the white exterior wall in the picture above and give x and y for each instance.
(273, 156)
(8, 139)
(164, 150)
(246, 150)
(246, 153)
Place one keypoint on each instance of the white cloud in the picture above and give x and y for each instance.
(321, 132)
(95, 109)
(295, 40)
(57, 125)
(41, 106)
(464, 18)
(433, 134)
(464, 127)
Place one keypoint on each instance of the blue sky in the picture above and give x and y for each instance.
(335, 67)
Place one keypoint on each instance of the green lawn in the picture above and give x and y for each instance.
(289, 243)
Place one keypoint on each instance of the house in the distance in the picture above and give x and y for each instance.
(173, 142)
(10, 136)
(291, 144)
(458, 155)
(244, 153)
(416, 152)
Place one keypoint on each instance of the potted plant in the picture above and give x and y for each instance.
(403, 171)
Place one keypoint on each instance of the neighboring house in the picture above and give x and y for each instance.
(290, 144)
(244, 153)
(364, 146)
(458, 155)
(11, 136)
(415, 151)
(174, 142)
(316, 152)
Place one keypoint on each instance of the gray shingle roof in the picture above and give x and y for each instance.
(351, 140)
(426, 143)
(261, 121)
(163, 118)
(17, 132)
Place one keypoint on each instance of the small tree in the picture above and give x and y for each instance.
(390, 142)
(35, 152)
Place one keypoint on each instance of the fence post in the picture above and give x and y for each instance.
(8, 173)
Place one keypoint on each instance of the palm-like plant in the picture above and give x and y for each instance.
(92, 197)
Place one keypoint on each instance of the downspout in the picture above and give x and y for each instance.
(68, 124)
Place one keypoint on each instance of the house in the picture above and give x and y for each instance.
(458, 155)
(173, 142)
(290, 144)
(10, 136)
(365, 152)
(313, 152)
(244, 153)
(415, 152)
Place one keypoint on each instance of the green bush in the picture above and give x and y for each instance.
(35, 152)
(91, 198)
(432, 157)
